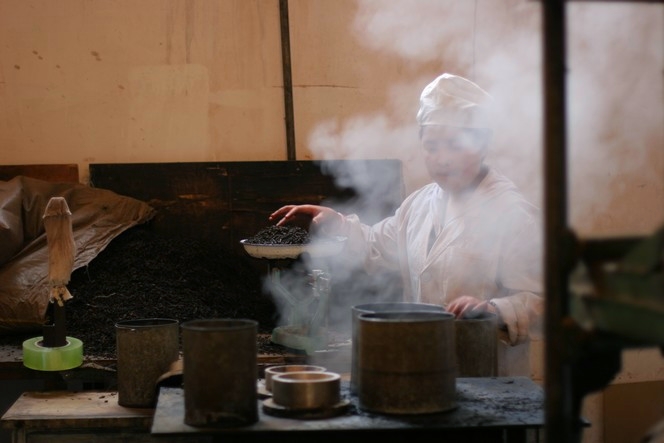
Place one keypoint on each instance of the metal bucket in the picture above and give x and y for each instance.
(145, 349)
(220, 372)
(373, 308)
(477, 346)
(407, 362)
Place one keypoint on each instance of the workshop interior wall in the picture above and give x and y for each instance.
(91, 81)
(174, 81)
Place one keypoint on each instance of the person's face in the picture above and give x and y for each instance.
(453, 156)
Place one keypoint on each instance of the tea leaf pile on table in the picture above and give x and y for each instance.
(145, 275)
(280, 235)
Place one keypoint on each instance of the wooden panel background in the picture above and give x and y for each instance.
(227, 201)
(67, 173)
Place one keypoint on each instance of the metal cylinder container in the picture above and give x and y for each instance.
(220, 372)
(306, 390)
(406, 362)
(379, 307)
(145, 349)
(271, 371)
(477, 346)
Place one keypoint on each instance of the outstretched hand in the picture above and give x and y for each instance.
(321, 216)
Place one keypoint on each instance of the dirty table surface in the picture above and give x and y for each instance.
(493, 402)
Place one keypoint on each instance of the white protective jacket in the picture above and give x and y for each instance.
(490, 249)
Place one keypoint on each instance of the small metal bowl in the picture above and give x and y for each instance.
(306, 390)
(271, 371)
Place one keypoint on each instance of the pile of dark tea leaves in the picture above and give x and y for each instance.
(280, 235)
(142, 274)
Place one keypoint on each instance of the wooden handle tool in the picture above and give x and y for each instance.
(61, 248)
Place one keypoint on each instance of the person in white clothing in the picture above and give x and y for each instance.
(469, 240)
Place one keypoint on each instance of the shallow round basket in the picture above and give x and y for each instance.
(317, 248)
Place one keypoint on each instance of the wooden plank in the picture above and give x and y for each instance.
(67, 173)
(95, 436)
(85, 409)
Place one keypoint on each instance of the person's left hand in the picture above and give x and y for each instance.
(467, 306)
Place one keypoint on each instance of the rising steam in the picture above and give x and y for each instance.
(615, 109)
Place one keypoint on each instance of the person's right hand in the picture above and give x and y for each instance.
(321, 217)
(467, 306)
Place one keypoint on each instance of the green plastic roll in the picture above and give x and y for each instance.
(60, 358)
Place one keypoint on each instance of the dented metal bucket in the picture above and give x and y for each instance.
(477, 346)
(220, 372)
(145, 349)
(406, 362)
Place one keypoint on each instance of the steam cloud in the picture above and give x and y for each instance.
(614, 105)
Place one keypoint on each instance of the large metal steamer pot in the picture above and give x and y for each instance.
(357, 310)
(407, 362)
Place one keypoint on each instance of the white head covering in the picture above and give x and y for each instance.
(451, 100)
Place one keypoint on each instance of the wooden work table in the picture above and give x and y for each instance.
(501, 409)
(59, 416)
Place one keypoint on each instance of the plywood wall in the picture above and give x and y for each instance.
(126, 81)
(96, 81)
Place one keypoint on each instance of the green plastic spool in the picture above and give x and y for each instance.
(41, 358)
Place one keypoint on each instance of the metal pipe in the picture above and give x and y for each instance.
(288, 80)
(559, 402)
